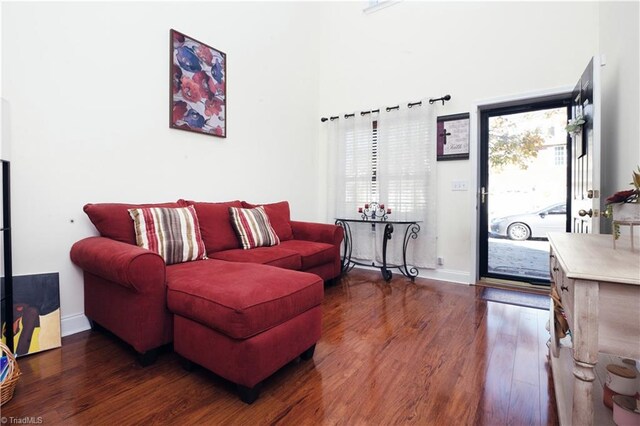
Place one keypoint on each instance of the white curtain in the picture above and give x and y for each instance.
(389, 158)
(351, 140)
(407, 178)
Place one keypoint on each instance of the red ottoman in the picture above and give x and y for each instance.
(243, 321)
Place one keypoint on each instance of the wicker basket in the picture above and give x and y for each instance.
(8, 385)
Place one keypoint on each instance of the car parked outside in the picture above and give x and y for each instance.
(521, 227)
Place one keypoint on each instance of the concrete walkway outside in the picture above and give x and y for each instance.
(526, 259)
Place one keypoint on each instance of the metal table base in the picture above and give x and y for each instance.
(411, 233)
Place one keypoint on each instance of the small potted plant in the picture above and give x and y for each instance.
(574, 126)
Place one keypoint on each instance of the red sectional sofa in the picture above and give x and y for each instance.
(242, 314)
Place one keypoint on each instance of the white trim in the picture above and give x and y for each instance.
(446, 275)
(474, 160)
(596, 155)
(503, 101)
(73, 324)
(474, 191)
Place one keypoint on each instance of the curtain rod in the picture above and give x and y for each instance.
(409, 105)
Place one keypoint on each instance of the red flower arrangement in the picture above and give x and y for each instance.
(630, 195)
(374, 211)
(623, 196)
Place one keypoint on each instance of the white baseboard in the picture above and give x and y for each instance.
(448, 275)
(74, 324)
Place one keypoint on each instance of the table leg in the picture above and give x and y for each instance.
(388, 230)
(345, 265)
(585, 346)
(410, 234)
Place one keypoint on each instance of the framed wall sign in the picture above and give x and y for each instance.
(453, 137)
(198, 87)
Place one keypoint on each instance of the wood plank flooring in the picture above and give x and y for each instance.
(427, 353)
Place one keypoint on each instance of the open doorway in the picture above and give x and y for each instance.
(524, 173)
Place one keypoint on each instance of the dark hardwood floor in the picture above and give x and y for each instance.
(427, 353)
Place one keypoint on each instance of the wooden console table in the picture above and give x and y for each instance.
(411, 233)
(600, 291)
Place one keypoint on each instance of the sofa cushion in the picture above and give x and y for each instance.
(274, 256)
(280, 217)
(240, 299)
(312, 253)
(253, 227)
(173, 233)
(112, 220)
(215, 225)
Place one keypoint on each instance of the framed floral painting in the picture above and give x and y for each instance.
(198, 96)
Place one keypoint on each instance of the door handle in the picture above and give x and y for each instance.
(483, 194)
(584, 213)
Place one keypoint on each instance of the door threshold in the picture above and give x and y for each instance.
(513, 285)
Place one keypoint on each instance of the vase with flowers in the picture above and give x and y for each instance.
(624, 206)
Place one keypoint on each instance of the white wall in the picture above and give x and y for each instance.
(87, 87)
(473, 51)
(619, 41)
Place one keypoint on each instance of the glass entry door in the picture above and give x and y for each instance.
(524, 188)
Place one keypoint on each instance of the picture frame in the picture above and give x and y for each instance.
(197, 86)
(36, 313)
(453, 137)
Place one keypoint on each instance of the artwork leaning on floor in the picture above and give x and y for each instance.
(198, 98)
(36, 313)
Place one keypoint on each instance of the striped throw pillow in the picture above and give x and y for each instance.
(253, 227)
(173, 233)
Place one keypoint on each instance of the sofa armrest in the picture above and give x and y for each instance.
(141, 270)
(317, 232)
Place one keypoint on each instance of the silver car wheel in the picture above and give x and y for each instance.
(518, 231)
